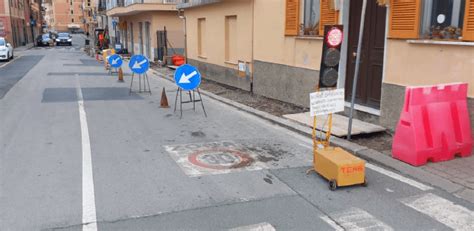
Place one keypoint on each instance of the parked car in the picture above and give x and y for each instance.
(6, 49)
(64, 38)
(43, 40)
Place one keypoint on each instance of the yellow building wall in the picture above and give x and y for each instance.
(271, 44)
(158, 20)
(174, 26)
(214, 43)
(265, 29)
(426, 64)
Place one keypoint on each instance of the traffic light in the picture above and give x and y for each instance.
(329, 71)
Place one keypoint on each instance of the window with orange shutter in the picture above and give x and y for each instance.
(315, 15)
(292, 20)
(404, 18)
(432, 19)
(329, 16)
(468, 30)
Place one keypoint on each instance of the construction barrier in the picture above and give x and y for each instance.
(434, 125)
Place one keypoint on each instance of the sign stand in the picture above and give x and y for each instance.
(139, 65)
(111, 71)
(188, 79)
(192, 99)
(115, 62)
(141, 78)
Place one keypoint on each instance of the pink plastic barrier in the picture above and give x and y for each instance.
(434, 125)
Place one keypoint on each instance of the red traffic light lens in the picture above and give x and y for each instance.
(334, 37)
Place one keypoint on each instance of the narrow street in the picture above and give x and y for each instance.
(78, 151)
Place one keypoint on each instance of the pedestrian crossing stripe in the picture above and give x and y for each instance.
(256, 227)
(446, 212)
(358, 219)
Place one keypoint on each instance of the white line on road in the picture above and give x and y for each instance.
(89, 217)
(257, 227)
(358, 219)
(398, 177)
(442, 210)
(333, 224)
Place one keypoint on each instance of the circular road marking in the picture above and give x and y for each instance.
(220, 158)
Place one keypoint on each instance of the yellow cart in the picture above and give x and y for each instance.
(336, 165)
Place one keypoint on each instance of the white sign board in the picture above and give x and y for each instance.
(326, 102)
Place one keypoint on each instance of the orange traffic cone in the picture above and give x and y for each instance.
(120, 75)
(164, 100)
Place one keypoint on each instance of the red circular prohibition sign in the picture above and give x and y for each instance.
(244, 159)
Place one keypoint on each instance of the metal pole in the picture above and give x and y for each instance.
(357, 66)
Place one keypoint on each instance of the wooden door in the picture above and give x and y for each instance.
(369, 85)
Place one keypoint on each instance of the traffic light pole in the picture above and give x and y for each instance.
(357, 66)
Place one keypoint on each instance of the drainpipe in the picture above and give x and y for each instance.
(252, 55)
(11, 23)
(181, 16)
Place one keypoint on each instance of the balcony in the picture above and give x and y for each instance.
(195, 3)
(116, 8)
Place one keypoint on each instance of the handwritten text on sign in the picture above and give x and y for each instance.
(326, 102)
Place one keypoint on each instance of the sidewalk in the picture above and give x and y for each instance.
(23, 48)
(456, 176)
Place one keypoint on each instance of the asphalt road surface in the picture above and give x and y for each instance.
(77, 152)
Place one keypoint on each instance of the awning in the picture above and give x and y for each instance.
(77, 26)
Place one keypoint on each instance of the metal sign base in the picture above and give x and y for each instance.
(146, 82)
(192, 99)
(113, 70)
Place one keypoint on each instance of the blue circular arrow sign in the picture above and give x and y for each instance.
(187, 77)
(115, 61)
(139, 64)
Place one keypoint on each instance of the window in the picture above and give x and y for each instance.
(442, 19)
(72, 19)
(432, 19)
(201, 36)
(310, 17)
(231, 39)
(72, 12)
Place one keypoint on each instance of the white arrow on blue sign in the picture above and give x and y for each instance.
(187, 77)
(115, 61)
(139, 64)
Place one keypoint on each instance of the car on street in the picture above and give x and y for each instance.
(64, 38)
(44, 40)
(6, 49)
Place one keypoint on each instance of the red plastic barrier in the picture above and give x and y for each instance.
(178, 60)
(434, 125)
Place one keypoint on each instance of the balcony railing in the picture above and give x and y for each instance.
(193, 3)
(130, 2)
(123, 3)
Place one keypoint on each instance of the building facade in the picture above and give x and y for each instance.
(405, 43)
(138, 22)
(67, 15)
(20, 21)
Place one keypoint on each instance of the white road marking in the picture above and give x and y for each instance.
(442, 210)
(398, 177)
(257, 227)
(89, 217)
(358, 219)
(333, 224)
(11, 61)
(306, 146)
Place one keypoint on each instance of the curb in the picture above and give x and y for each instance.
(363, 152)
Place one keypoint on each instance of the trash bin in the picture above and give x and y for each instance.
(87, 42)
